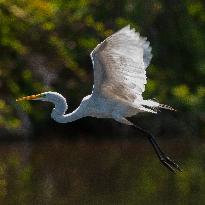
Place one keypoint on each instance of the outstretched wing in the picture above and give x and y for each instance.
(119, 64)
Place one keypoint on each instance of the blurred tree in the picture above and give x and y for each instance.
(45, 45)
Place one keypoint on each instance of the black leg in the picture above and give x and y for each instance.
(165, 160)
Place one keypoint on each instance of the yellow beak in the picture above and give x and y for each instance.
(31, 97)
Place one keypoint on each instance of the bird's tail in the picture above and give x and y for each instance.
(167, 107)
(154, 106)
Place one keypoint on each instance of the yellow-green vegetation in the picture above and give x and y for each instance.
(45, 45)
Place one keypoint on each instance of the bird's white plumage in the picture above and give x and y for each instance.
(119, 64)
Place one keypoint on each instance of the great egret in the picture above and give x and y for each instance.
(119, 64)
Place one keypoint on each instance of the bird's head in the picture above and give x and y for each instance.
(46, 96)
(57, 99)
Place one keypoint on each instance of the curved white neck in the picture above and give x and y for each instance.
(58, 113)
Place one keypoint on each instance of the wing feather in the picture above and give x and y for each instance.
(119, 64)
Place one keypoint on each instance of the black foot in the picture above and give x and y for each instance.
(165, 160)
(170, 164)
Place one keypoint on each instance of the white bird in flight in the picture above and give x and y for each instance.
(119, 64)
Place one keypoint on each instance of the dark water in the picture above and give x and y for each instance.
(63, 172)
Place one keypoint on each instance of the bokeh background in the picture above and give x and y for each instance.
(45, 46)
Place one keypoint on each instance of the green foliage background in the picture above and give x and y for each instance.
(45, 45)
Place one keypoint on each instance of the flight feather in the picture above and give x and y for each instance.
(119, 64)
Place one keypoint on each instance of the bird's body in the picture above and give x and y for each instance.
(119, 64)
(92, 106)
